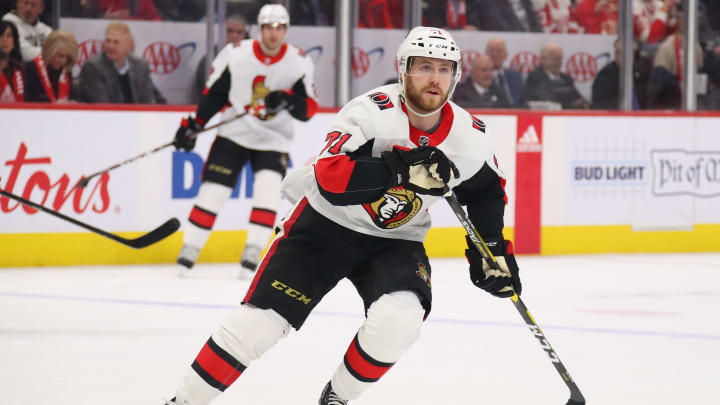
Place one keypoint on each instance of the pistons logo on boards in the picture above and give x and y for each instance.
(382, 100)
(87, 49)
(478, 124)
(524, 62)
(582, 66)
(162, 57)
(362, 61)
(395, 208)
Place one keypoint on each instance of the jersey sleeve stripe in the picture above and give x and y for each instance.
(333, 173)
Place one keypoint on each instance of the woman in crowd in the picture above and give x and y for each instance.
(47, 76)
(12, 87)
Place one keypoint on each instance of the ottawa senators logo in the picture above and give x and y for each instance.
(257, 100)
(382, 100)
(395, 208)
(423, 274)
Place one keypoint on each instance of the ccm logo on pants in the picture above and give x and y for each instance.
(291, 292)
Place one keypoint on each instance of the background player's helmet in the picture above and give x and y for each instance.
(273, 14)
(429, 42)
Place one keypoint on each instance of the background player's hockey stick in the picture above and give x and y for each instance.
(156, 235)
(85, 180)
(576, 397)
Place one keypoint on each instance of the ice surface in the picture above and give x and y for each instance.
(631, 329)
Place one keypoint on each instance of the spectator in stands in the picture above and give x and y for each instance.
(128, 9)
(479, 90)
(248, 8)
(12, 81)
(449, 14)
(312, 12)
(235, 31)
(381, 14)
(597, 16)
(32, 31)
(711, 67)
(606, 86)
(503, 15)
(666, 76)
(557, 16)
(115, 75)
(654, 20)
(713, 13)
(47, 77)
(510, 82)
(181, 10)
(548, 83)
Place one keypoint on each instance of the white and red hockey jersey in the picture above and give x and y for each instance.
(651, 22)
(242, 76)
(348, 181)
(557, 16)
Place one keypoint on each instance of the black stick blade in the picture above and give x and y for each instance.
(572, 402)
(154, 236)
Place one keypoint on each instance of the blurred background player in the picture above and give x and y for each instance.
(361, 212)
(273, 82)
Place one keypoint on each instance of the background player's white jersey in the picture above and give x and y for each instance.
(378, 119)
(253, 75)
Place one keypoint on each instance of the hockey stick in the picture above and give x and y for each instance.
(576, 397)
(156, 235)
(85, 180)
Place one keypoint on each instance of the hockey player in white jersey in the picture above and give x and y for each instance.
(361, 213)
(273, 82)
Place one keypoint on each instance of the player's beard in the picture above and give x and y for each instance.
(418, 99)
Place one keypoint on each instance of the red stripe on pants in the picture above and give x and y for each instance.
(361, 366)
(202, 218)
(218, 368)
(262, 217)
(273, 247)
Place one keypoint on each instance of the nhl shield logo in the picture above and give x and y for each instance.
(395, 208)
(423, 274)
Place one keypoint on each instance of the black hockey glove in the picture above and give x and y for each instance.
(276, 101)
(424, 170)
(185, 135)
(500, 283)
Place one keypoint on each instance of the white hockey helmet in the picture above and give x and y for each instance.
(273, 14)
(429, 42)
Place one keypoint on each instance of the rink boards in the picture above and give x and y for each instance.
(584, 183)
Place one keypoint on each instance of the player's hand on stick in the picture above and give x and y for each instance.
(501, 283)
(276, 101)
(424, 170)
(186, 134)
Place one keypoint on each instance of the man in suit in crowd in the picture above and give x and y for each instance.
(479, 90)
(606, 86)
(115, 75)
(503, 15)
(510, 82)
(548, 83)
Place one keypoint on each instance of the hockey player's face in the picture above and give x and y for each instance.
(428, 83)
(273, 36)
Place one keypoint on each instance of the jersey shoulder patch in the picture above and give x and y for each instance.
(382, 100)
(478, 124)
